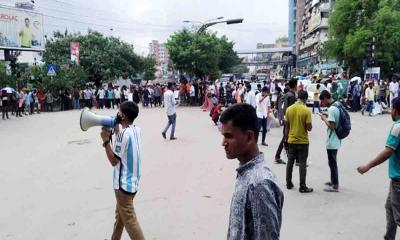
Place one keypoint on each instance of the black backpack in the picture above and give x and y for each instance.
(344, 127)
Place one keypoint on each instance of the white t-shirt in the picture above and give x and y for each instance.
(169, 102)
(251, 98)
(263, 107)
(394, 88)
(117, 94)
(101, 93)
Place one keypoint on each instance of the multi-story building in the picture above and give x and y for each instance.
(275, 68)
(313, 32)
(296, 12)
(159, 52)
(292, 22)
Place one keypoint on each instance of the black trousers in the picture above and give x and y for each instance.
(281, 145)
(297, 152)
(392, 211)
(332, 154)
(4, 109)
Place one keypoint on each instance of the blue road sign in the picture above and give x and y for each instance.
(51, 70)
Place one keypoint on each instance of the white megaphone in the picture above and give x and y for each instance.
(90, 119)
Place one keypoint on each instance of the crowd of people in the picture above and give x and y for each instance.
(244, 111)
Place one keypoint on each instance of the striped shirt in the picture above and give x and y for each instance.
(128, 150)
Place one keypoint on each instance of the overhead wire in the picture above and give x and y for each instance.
(80, 7)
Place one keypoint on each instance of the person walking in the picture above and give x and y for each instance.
(125, 157)
(370, 97)
(263, 105)
(257, 201)
(169, 104)
(288, 100)
(391, 152)
(298, 124)
(316, 99)
(333, 142)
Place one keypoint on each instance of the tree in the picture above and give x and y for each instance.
(201, 54)
(354, 23)
(149, 68)
(103, 58)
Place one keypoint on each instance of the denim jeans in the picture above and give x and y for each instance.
(171, 122)
(77, 104)
(316, 105)
(370, 107)
(333, 166)
(262, 122)
(392, 211)
(297, 152)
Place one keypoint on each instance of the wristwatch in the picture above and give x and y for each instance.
(106, 143)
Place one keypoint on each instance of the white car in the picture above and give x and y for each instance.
(311, 88)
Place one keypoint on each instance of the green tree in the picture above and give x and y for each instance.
(103, 58)
(355, 22)
(149, 65)
(201, 54)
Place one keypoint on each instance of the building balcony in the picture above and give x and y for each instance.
(325, 8)
(324, 23)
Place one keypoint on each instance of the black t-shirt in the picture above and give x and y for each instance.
(288, 100)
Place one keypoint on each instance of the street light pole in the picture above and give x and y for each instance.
(212, 22)
(228, 22)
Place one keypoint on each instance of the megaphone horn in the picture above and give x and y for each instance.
(89, 119)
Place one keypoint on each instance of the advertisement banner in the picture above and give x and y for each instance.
(21, 29)
(75, 52)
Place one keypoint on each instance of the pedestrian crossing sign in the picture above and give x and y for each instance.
(51, 70)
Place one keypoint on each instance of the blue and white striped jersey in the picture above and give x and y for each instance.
(128, 150)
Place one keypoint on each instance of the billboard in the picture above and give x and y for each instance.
(21, 29)
(75, 52)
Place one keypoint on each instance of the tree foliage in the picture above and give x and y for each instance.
(149, 68)
(103, 58)
(200, 54)
(355, 22)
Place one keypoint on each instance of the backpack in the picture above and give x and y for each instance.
(344, 127)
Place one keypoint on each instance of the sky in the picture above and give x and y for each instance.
(141, 21)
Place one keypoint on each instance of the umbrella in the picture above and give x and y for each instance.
(358, 79)
(8, 89)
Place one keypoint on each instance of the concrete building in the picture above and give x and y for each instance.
(159, 52)
(276, 69)
(292, 25)
(313, 31)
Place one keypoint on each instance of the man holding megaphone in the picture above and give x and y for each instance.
(125, 156)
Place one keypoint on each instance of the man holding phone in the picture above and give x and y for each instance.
(331, 119)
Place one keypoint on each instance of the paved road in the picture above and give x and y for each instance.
(56, 183)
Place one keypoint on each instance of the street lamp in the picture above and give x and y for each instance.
(228, 22)
(211, 22)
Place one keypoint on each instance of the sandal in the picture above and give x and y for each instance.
(331, 189)
(306, 190)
